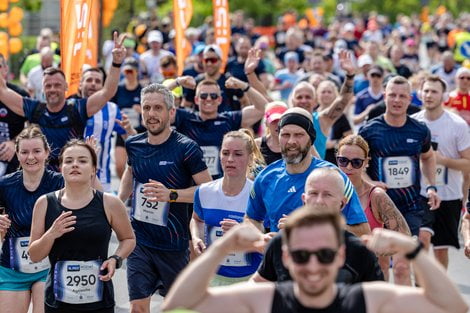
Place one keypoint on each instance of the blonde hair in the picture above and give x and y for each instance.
(354, 140)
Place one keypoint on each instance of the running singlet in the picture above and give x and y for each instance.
(212, 206)
(76, 258)
(208, 134)
(349, 299)
(269, 155)
(276, 192)
(19, 204)
(394, 160)
(162, 225)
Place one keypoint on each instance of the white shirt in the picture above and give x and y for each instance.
(152, 64)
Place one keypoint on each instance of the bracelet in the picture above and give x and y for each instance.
(350, 76)
(177, 82)
(247, 88)
(415, 252)
(431, 187)
(118, 65)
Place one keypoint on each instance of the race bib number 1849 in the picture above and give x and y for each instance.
(397, 172)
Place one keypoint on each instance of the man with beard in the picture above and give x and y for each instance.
(278, 188)
(162, 165)
(314, 265)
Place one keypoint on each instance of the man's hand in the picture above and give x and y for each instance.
(346, 63)
(252, 61)
(282, 221)
(156, 191)
(235, 83)
(125, 123)
(227, 224)
(385, 242)
(242, 238)
(119, 51)
(199, 246)
(433, 199)
(187, 82)
(7, 150)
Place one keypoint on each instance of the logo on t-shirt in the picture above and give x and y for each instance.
(292, 189)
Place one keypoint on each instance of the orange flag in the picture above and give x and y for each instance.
(182, 14)
(78, 38)
(222, 28)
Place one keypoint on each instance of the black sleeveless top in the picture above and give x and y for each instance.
(269, 155)
(88, 241)
(349, 299)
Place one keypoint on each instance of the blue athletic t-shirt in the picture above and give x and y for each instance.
(320, 138)
(394, 153)
(19, 203)
(172, 163)
(276, 192)
(208, 134)
(57, 126)
(212, 206)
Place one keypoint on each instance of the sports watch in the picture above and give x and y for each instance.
(173, 195)
(118, 260)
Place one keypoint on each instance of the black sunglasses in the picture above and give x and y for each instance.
(324, 256)
(375, 75)
(355, 163)
(205, 95)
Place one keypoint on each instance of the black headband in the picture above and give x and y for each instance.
(299, 120)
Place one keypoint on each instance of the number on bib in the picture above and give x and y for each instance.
(149, 211)
(19, 257)
(397, 172)
(211, 158)
(213, 233)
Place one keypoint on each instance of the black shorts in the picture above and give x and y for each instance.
(48, 309)
(443, 224)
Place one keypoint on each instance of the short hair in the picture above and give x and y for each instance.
(433, 79)
(161, 89)
(327, 171)
(355, 140)
(306, 216)
(50, 71)
(79, 143)
(398, 80)
(94, 70)
(207, 82)
(168, 60)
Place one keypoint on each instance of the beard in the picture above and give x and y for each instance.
(156, 131)
(298, 157)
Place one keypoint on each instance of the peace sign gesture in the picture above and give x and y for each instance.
(119, 52)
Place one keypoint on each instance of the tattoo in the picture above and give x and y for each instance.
(389, 214)
(340, 103)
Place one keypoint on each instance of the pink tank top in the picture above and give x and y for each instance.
(373, 223)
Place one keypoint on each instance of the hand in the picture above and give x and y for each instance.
(109, 266)
(62, 224)
(156, 191)
(227, 224)
(187, 82)
(282, 221)
(346, 63)
(433, 199)
(242, 238)
(5, 223)
(92, 142)
(467, 249)
(119, 52)
(7, 150)
(252, 61)
(199, 246)
(235, 83)
(286, 85)
(385, 242)
(380, 184)
(125, 123)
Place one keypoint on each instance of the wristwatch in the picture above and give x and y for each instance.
(173, 195)
(118, 260)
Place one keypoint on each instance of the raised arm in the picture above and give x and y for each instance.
(251, 64)
(99, 98)
(11, 99)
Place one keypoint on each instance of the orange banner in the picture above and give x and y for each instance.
(78, 38)
(182, 14)
(222, 28)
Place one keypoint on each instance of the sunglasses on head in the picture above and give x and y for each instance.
(211, 60)
(205, 95)
(324, 256)
(355, 163)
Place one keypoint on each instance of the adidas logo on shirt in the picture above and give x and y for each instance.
(291, 189)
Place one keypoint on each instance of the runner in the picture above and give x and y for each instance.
(313, 287)
(161, 167)
(22, 281)
(221, 204)
(451, 142)
(72, 226)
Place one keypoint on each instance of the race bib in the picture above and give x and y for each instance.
(149, 212)
(211, 157)
(397, 172)
(133, 116)
(19, 257)
(214, 233)
(441, 175)
(77, 282)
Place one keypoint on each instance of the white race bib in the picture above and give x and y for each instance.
(149, 212)
(398, 172)
(133, 116)
(77, 282)
(441, 175)
(214, 233)
(19, 257)
(211, 157)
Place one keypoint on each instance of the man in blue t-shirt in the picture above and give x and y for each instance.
(278, 188)
(60, 119)
(162, 165)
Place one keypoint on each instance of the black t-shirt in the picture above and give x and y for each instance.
(349, 299)
(403, 70)
(360, 265)
(237, 69)
(339, 128)
(380, 109)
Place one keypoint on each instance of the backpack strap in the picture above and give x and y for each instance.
(38, 112)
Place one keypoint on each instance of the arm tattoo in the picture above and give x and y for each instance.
(340, 103)
(390, 215)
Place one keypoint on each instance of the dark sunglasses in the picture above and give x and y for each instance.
(324, 256)
(355, 163)
(211, 60)
(375, 75)
(205, 95)
(464, 77)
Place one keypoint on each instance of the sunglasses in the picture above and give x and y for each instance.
(375, 75)
(128, 71)
(205, 95)
(464, 77)
(355, 163)
(324, 256)
(211, 60)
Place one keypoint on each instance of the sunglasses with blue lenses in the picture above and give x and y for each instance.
(324, 256)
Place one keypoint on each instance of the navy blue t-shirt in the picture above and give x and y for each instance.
(237, 69)
(19, 203)
(395, 153)
(208, 134)
(172, 163)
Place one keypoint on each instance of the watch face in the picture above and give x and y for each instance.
(173, 195)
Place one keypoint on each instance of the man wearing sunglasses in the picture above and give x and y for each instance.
(460, 97)
(314, 265)
(207, 126)
(367, 99)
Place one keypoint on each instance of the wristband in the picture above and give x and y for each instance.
(247, 88)
(118, 65)
(177, 82)
(431, 187)
(350, 76)
(415, 252)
